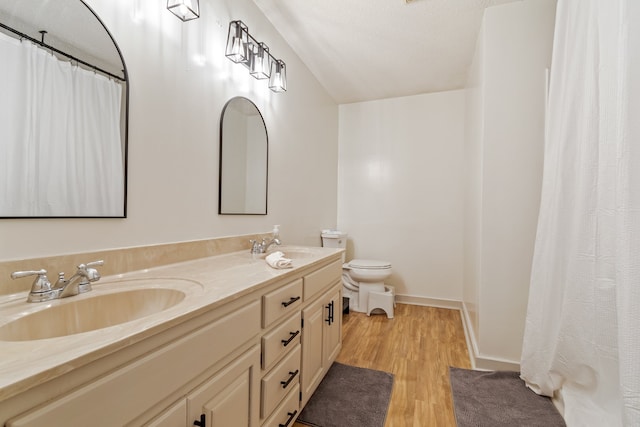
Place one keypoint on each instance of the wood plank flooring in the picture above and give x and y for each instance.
(417, 346)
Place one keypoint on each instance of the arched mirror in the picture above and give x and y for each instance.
(243, 159)
(63, 112)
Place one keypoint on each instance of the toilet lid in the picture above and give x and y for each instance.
(369, 264)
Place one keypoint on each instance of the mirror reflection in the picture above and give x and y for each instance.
(63, 112)
(243, 159)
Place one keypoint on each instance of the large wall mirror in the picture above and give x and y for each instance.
(63, 112)
(244, 150)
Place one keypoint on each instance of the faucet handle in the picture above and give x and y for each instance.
(94, 263)
(255, 246)
(41, 287)
(91, 274)
(40, 284)
(19, 274)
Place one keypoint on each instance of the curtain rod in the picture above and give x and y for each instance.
(58, 51)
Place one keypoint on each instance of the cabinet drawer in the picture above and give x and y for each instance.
(280, 340)
(287, 412)
(277, 383)
(280, 302)
(319, 280)
(130, 391)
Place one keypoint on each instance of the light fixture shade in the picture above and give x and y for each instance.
(238, 42)
(186, 10)
(278, 79)
(260, 62)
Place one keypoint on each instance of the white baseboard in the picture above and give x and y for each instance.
(478, 360)
(481, 361)
(429, 302)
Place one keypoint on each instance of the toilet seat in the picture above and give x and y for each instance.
(368, 264)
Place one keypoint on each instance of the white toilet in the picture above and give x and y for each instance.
(359, 276)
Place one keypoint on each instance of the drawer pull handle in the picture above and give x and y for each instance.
(291, 416)
(330, 318)
(293, 335)
(202, 422)
(291, 301)
(292, 375)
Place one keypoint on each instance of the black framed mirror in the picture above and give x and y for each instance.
(244, 154)
(64, 139)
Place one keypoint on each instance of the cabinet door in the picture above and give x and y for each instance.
(332, 327)
(312, 366)
(229, 398)
(175, 416)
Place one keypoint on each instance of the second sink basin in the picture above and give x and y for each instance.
(75, 315)
(294, 252)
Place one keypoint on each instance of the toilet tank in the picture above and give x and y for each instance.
(334, 239)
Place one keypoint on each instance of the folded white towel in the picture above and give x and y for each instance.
(277, 260)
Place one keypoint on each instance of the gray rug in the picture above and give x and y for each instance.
(349, 396)
(499, 398)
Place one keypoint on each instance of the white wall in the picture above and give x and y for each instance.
(400, 189)
(180, 80)
(504, 149)
(474, 131)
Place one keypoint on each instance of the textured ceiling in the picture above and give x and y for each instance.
(372, 49)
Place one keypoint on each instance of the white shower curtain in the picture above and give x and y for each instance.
(582, 333)
(60, 142)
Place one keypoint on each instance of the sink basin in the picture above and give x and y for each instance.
(79, 314)
(297, 253)
(293, 252)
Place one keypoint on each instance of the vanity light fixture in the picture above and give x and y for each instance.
(186, 10)
(260, 63)
(238, 42)
(278, 78)
(243, 48)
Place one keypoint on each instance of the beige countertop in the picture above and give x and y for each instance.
(206, 282)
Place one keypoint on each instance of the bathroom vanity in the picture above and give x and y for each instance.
(218, 341)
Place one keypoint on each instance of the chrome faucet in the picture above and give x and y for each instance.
(267, 243)
(80, 282)
(41, 289)
(263, 246)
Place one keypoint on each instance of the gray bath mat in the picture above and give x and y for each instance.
(499, 398)
(349, 396)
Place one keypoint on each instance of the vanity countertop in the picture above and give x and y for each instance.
(208, 283)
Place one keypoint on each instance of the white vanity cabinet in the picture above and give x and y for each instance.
(322, 332)
(126, 395)
(249, 362)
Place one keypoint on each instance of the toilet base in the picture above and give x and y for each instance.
(359, 300)
(353, 298)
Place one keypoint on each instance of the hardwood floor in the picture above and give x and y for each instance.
(417, 346)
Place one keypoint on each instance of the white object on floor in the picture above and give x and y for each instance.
(359, 277)
(384, 300)
(277, 260)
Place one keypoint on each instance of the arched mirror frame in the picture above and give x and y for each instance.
(125, 135)
(221, 177)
